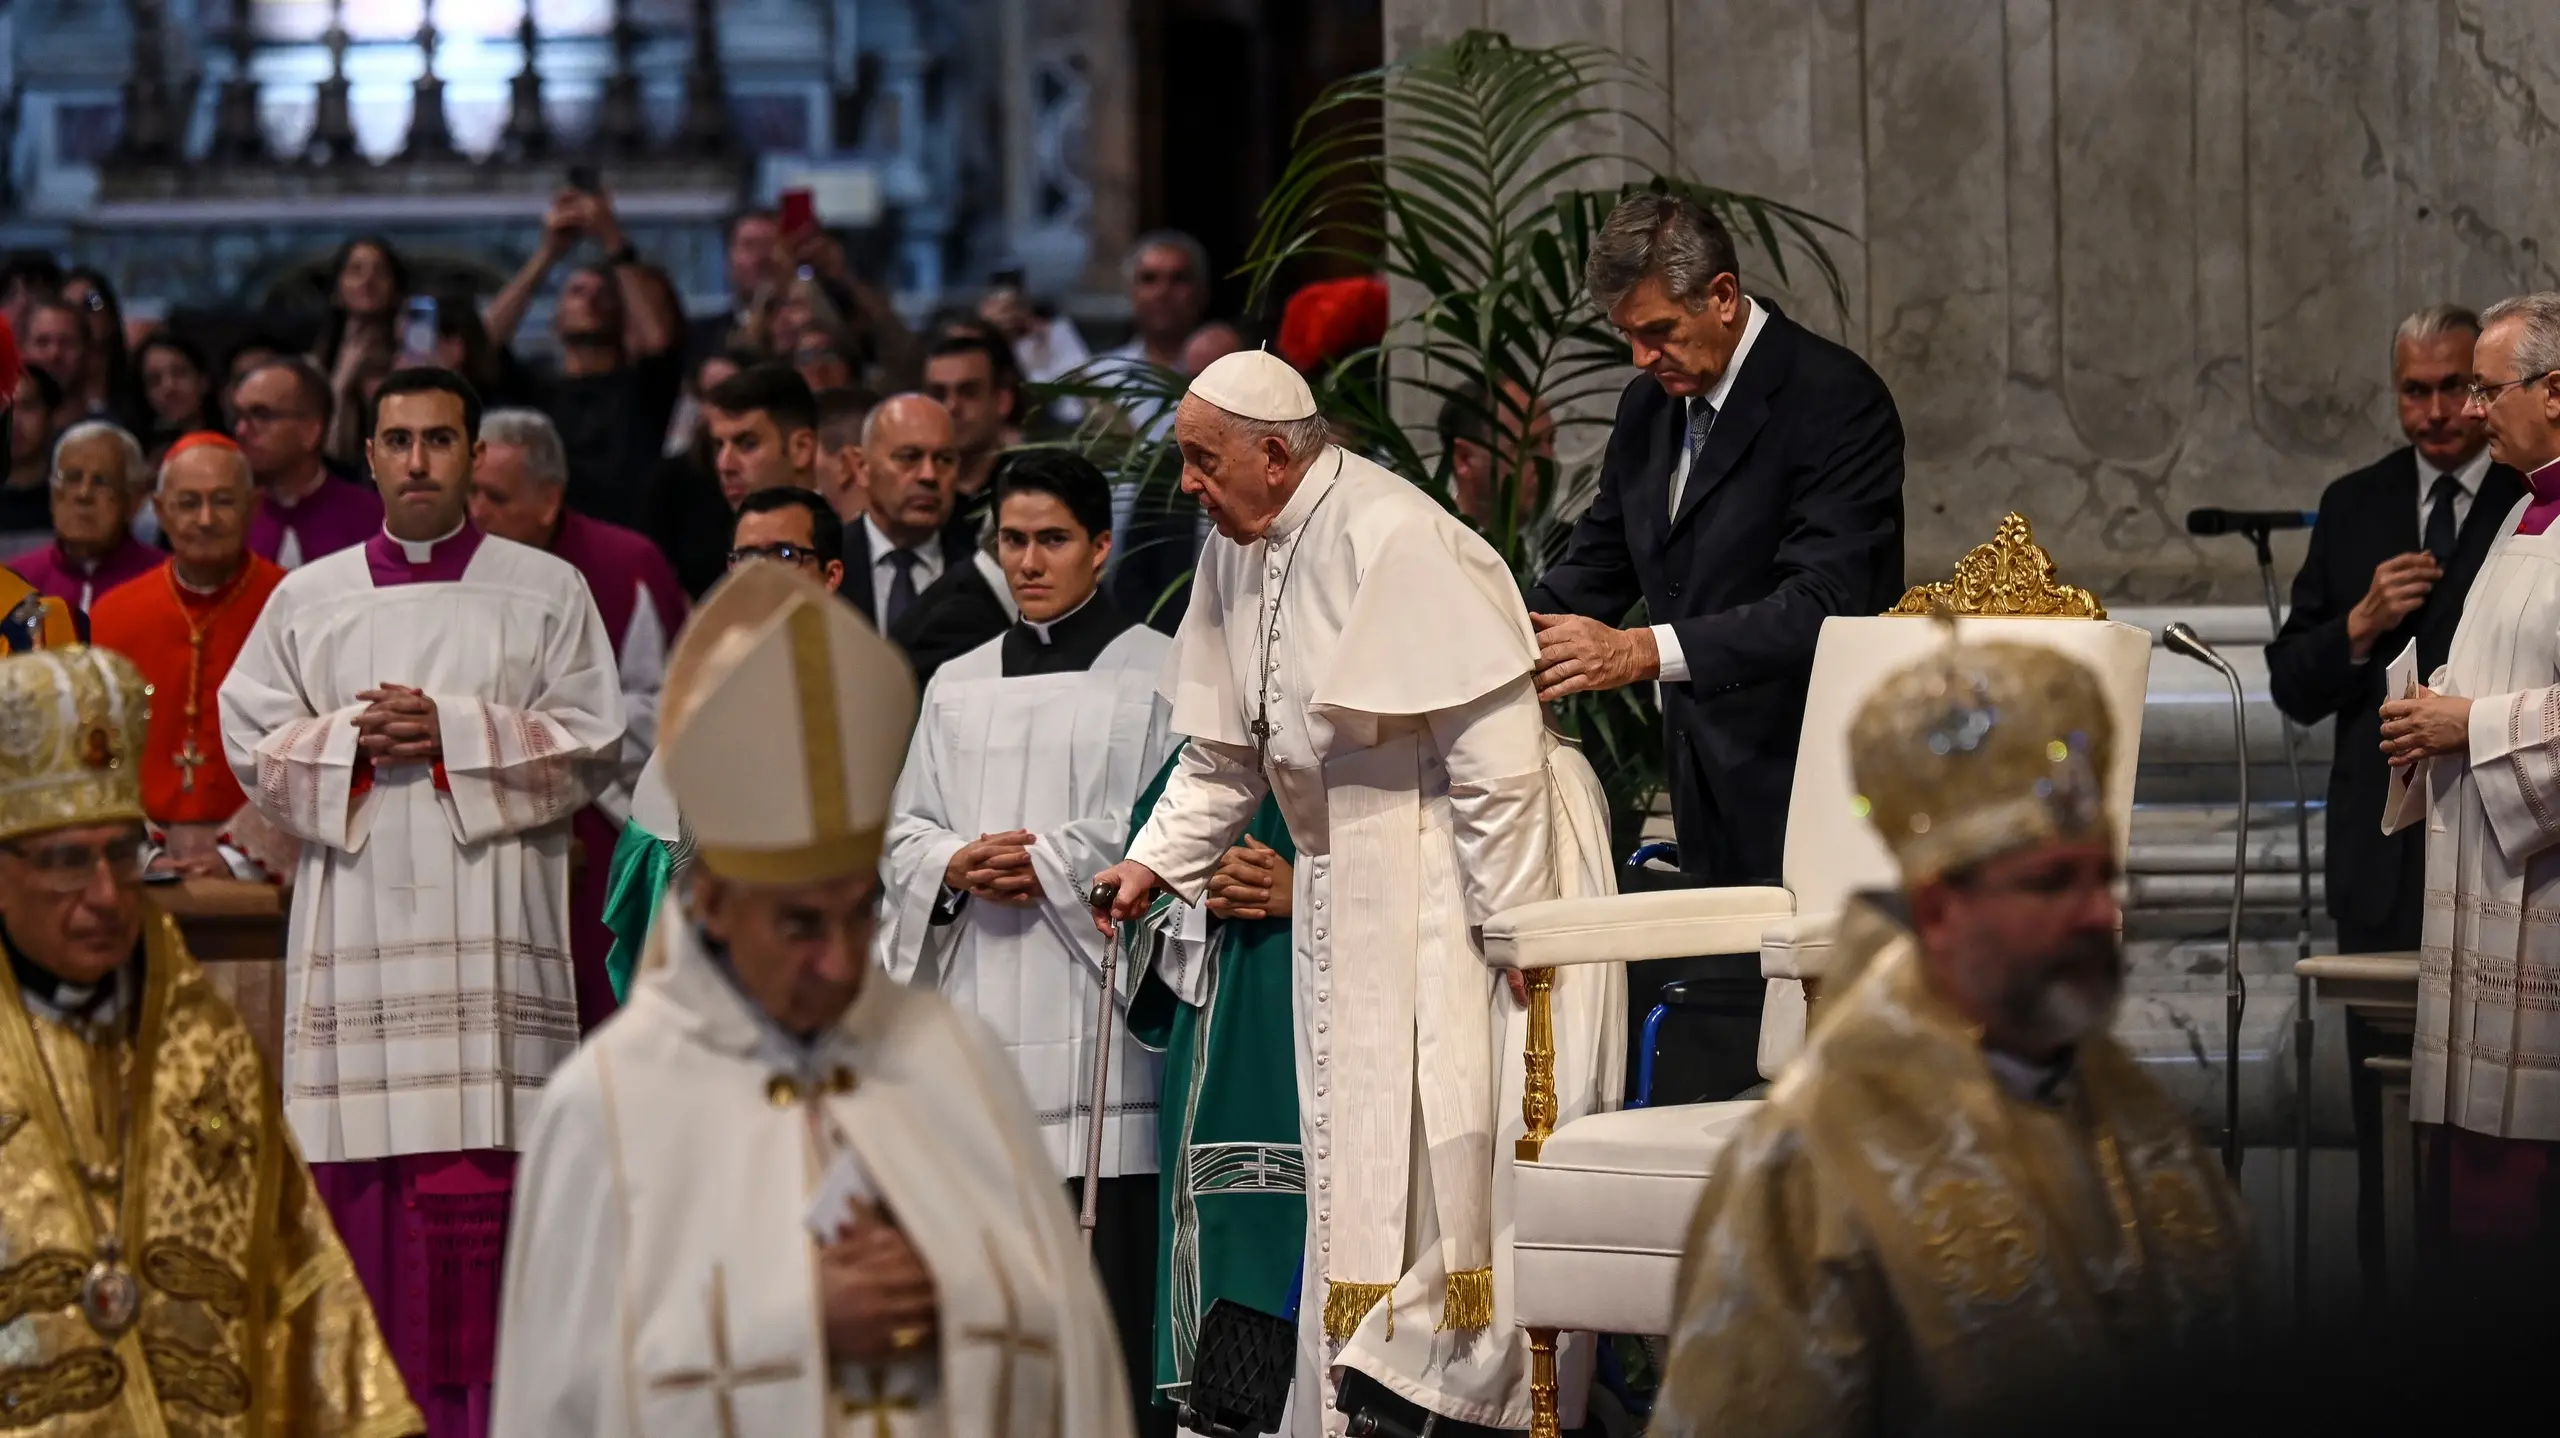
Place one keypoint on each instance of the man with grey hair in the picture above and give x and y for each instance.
(2391, 560)
(2481, 741)
(99, 477)
(1359, 654)
(518, 492)
(1752, 488)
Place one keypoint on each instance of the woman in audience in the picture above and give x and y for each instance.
(106, 388)
(368, 286)
(176, 388)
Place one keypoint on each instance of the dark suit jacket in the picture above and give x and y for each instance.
(957, 546)
(2375, 880)
(1792, 513)
(954, 615)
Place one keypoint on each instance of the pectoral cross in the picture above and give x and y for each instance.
(722, 1377)
(190, 759)
(1010, 1340)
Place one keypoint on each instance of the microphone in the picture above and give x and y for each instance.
(2182, 638)
(2244, 521)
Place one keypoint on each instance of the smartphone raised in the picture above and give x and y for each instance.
(585, 180)
(797, 209)
(418, 331)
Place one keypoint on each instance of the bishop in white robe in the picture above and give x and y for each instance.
(1359, 654)
(768, 1110)
(428, 988)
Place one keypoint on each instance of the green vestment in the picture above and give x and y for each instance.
(1233, 1215)
(641, 864)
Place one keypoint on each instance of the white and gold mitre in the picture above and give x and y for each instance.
(1980, 749)
(784, 721)
(71, 726)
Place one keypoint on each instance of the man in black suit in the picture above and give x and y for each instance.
(906, 541)
(1752, 488)
(2391, 560)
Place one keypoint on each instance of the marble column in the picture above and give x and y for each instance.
(2117, 258)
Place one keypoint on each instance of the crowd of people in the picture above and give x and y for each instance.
(748, 840)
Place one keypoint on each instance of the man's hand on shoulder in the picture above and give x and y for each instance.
(1578, 655)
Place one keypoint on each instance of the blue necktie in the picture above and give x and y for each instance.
(2442, 536)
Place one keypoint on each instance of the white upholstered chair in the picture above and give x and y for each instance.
(1603, 1205)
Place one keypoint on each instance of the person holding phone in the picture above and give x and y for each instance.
(619, 372)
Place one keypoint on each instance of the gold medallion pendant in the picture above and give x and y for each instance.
(110, 1297)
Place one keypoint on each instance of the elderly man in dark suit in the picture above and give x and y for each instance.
(1752, 488)
(2391, 560)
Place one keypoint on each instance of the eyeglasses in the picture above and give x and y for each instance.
(784, 553)
(66, 868)
(2485, 395)
(84, 484)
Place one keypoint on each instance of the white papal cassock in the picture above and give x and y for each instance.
(662, 1279)
(1387, 649)
(428, 993)
(1062, 755)
(2487, 1052)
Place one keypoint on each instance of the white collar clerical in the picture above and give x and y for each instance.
(419, 551)
(1311, 491)
(1042, 627)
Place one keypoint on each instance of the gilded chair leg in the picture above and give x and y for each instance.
(1542, 1383)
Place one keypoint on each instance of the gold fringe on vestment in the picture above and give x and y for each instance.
(1470, 1302)
(1345, 1304)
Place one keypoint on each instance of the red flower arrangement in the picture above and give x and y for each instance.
(1329, 319)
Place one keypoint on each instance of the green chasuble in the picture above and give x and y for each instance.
(1233, 1216)
(641, 863)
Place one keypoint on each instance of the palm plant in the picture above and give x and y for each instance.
(1460, 173)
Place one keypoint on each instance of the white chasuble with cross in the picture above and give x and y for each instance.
(662, 1279)
(428, 992)
(2487, 1051)
(1367, 662)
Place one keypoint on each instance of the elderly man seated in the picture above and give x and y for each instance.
(99, 478)
(170, 1259)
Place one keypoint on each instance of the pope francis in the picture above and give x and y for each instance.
(164, 1264)
(1357, 653)
(779, 1193)
(1963, 1200)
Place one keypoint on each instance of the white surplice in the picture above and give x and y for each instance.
(640, 656)
(662, 1279)
(1386, 647)
(1063, 756)
(2487, 1053)
(428, 991)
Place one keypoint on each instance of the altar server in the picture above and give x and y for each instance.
(780, 1193)
(1964, 1199)
(425, 711)
(1358, 653)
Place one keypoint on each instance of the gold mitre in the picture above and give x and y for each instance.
(787, 719)
(1980, 749)
(71, 726)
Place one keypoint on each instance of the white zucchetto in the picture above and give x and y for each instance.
(1256, 384)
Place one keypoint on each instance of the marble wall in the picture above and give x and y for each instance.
(2117, 258)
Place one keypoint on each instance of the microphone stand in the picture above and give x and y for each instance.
(2183, 639)
(2302, 1015)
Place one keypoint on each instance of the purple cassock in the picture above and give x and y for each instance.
(427, 1231)
(78, 583)
(340, 514)
(622, 566)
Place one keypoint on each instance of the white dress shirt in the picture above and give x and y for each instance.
(2468, 478)
(1675, 665)
(928, 567)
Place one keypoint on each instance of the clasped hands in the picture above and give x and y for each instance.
(398, 725)
(2423, 726)
(875, 1292)
(996, 868)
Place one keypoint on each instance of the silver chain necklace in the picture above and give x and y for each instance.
(1266, 632)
